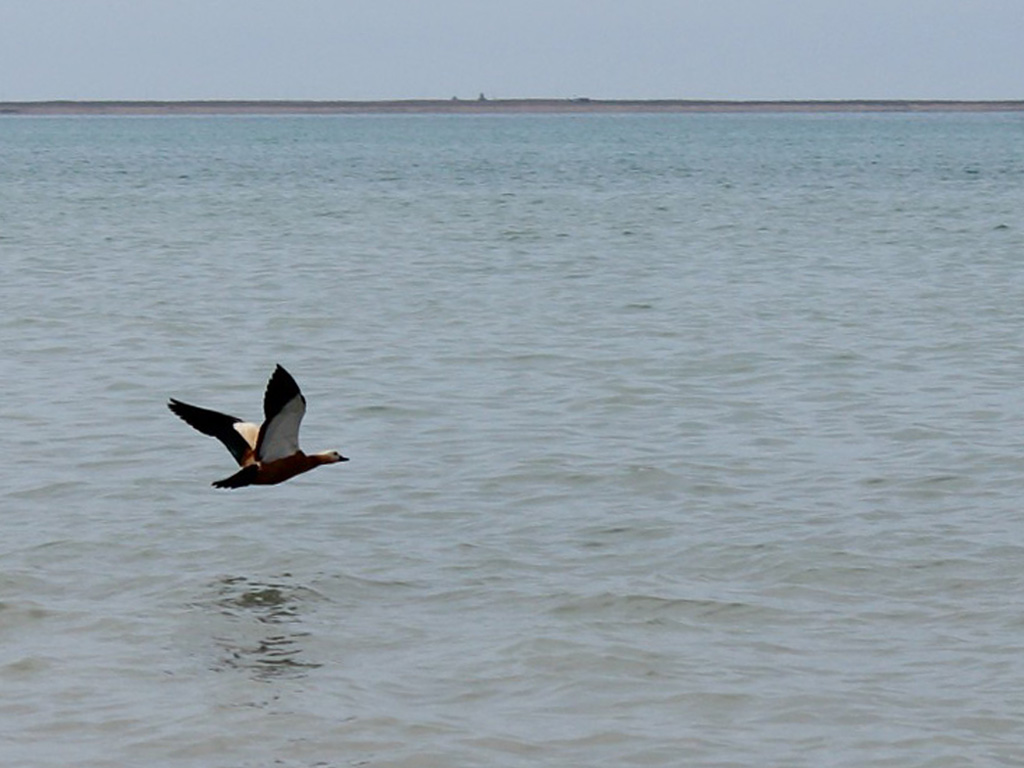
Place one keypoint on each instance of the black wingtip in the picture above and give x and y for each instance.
(282, 375)
(281, 389)
(180, 409)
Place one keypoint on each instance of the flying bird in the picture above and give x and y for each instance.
(268, 453)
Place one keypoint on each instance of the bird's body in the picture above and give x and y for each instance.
(268, 453)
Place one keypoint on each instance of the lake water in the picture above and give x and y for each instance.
(675, 440)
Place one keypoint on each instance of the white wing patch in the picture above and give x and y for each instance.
(249, 431)
(281, 436)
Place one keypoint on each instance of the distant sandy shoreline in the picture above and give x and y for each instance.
(488, 106)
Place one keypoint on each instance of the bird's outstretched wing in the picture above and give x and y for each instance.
(214, 424)
(283, 409)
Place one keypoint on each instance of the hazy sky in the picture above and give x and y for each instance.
(380, 49)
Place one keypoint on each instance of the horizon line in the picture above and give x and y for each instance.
(486, 104)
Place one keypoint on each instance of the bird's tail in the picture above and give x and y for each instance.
(244, 476)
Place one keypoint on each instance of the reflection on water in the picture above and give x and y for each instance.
(266, 615)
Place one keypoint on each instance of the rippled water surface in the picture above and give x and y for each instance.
(675, 440)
